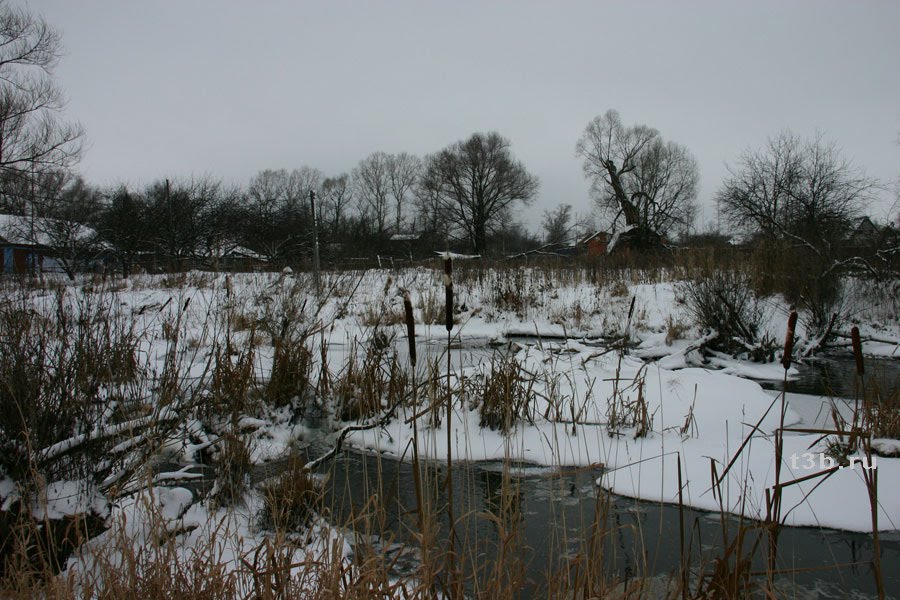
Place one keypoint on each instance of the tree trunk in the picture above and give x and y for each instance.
(479, 240)
(632, 215)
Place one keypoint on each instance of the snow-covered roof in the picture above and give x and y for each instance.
(244, 252)
(456, 256)
(39, 231)
(405, 237)
(585, 239)
(227, 250)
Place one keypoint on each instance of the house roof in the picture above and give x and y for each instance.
(592, 236)
(39, 231)
(405, 237)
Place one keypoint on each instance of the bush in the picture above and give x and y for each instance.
(807, 280)
(724, 302)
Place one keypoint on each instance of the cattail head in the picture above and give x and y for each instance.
(857, 351)
(410, 328)
(789, 341)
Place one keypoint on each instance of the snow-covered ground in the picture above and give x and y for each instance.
(557, 326)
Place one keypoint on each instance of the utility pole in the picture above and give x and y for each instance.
(315, 226)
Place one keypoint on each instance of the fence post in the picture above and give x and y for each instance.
(315, 225)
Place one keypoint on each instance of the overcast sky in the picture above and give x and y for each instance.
(168, 89)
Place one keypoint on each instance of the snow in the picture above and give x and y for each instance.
(559, 328)
(28, 231)
(67, 498)
(224, 541)
(725, 408)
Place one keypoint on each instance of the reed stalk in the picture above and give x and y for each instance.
(448, 322)
(417, 469)
(773, 512)
(870, 474)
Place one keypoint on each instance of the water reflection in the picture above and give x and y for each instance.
(550, 520)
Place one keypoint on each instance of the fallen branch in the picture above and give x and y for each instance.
(345, 431)
(871, 338)
(700, 344)
(68, 445)
(820, 342)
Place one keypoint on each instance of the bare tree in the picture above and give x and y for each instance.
(404, 171)
(476, 181)
(372, 188)
(177, 226)
(337, 195)
(33, 137)
(297, 186)
(261, 227)
(798, 190)
(637, 175)
(276, 219)
(556, 223)
(801, 197)
(124, 223)
(431, 217)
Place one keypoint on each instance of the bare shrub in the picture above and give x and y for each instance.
(618, 289)
(291, 368)
(290, 321)
(806, 279)
(675, 330)
(723, 302)
(231, 381)
(431, 306)
(512, 292)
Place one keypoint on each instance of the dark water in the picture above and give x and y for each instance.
(835, 376)
(552, 513)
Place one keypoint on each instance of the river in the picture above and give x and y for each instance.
(552, 512)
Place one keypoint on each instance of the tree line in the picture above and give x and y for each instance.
(451, 199)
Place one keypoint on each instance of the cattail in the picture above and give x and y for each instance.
(410, 328)
(857, 351)
(448, 291)
(789, 341)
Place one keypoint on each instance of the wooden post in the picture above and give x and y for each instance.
(315, 225)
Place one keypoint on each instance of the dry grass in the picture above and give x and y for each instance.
(881, 409)
(370, 380)
(506, 395)
(292, 501)
(275, 567)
